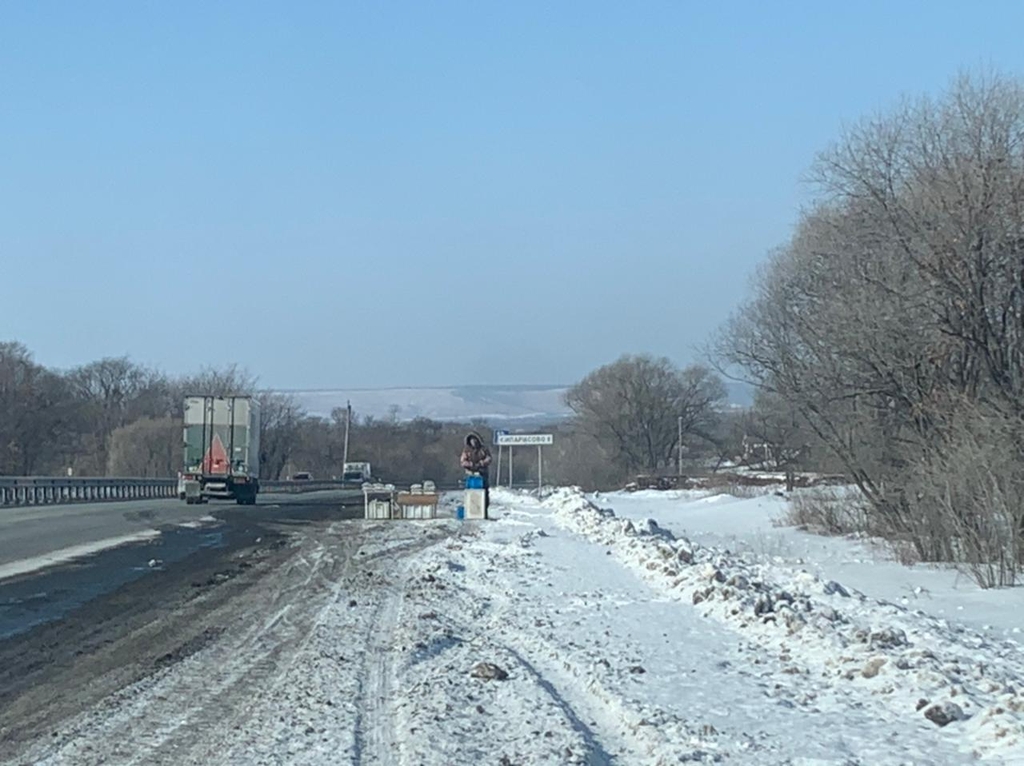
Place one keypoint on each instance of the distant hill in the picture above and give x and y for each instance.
(498, 404)
(739, 394)
(519, 406)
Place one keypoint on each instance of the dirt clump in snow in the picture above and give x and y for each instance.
(943, 714)
(488, 671)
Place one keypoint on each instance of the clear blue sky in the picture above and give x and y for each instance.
(366, 194)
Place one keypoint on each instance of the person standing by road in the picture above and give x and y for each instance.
(476, 458)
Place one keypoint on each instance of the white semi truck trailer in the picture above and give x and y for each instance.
(222, 448)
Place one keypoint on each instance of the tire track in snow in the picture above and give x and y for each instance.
(596, 755)
(375, 741)
(196, 709)
(250, 670)
(468, 623)
(267, 697)
(374, 732)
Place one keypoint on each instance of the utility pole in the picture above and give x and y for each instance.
(348, 425)
(680, 447)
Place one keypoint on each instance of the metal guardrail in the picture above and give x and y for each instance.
(311, 485)
(317, 485)
(44, 490)
(41, 490)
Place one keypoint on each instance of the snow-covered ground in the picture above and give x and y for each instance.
(753, 527)
(562, 633)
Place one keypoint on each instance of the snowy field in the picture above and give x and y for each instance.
(564, 633)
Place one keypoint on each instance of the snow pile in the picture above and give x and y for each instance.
(825, 633)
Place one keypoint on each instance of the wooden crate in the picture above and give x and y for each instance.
(417, 505)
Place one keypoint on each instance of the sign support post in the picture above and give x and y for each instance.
(497, 441)
(540, 467)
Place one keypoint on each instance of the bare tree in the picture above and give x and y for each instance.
(280, 430)
(633, 406)
(230, 380)
(701, 395)
(149, 447)
(578, 458)
(776, 432)
(114, 392)
(894, 315)
(37, 415)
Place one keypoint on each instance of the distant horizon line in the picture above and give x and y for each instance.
(544, 386)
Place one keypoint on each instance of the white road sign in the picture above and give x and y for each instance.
(525, 440)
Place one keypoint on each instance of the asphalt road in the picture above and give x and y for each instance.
(71, 635)
(35, 531)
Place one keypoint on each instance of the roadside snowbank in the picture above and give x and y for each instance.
(755, 527)
(917, 665)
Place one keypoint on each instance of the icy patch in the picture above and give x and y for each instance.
(205, 521)
(64, 555)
